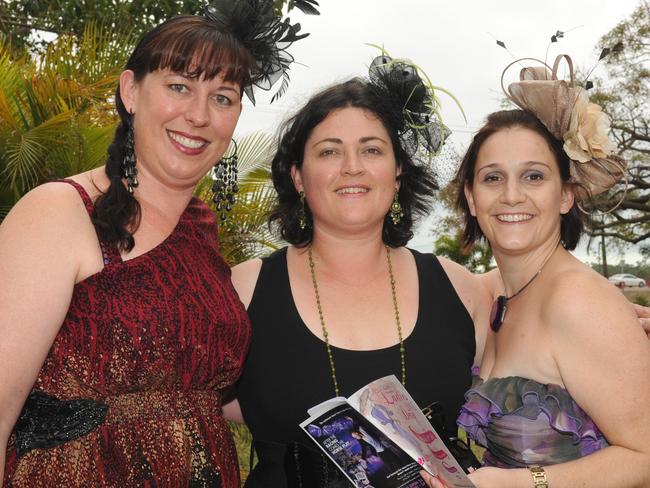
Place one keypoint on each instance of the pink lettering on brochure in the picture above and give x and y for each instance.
(386, 404)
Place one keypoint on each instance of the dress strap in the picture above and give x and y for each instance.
(90, 206)
(110, 254)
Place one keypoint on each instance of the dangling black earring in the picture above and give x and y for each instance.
(225, 183)
(129, 171)
(396, 213)
(302, 214)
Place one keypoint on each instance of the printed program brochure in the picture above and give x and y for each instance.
(379, 438)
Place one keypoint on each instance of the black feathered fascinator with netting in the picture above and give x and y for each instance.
(266, 36)
(414, 107)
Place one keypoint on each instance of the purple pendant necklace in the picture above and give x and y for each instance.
(500, 305)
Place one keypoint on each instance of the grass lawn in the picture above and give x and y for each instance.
(243, 442)
(638, 295)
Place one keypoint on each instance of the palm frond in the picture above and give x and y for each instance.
(255, 151)
(257, 176)
(11, 77)
(97, 140)
(22, 164)
(27, 154)
(8, 123)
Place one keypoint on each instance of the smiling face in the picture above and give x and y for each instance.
(348, 171)
(518, 195)
(182, 125)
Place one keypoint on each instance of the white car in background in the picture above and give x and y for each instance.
(623, 279)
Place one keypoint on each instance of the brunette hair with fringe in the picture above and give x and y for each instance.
(417, 183)
(194, 46)
(572, 223)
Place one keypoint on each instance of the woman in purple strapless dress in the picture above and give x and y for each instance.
(563, 394)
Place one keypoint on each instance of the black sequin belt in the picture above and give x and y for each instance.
(46, 421)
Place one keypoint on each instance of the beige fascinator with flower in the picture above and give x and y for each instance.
(568, 114)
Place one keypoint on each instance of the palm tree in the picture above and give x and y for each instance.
(56, 115)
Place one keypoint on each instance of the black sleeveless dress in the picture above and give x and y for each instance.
(287, 371)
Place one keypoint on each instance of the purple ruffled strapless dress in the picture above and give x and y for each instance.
(522, 422)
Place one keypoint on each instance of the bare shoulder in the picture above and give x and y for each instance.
(582, 302)
(454, 270)
(601, 352)
(476, 297)
(244, 278)
(471, 288)
(49, 228)
(49, 208)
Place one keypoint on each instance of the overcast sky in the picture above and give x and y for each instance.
(453, 41)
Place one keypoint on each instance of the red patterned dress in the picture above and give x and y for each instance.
(154, 341)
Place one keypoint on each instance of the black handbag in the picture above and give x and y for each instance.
(309, 467)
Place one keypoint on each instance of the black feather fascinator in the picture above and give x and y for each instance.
(265, 35)
(415, 108)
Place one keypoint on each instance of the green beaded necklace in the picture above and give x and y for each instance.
(324, 329)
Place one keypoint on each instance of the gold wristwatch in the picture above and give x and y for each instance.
(539, 476)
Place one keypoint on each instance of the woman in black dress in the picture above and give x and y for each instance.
(346, 302)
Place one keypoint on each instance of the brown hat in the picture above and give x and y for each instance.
(569, 116)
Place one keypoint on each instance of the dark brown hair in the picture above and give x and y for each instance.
(572, 223)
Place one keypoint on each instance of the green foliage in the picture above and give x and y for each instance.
(19, 18)
(477, 258)
(55, 115)
(243, 440)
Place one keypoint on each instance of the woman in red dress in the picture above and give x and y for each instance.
(119, 327)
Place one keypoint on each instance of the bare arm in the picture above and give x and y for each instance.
(244, 278)
(476, 297)
(38, 267)
(232, 411)
(604, 362)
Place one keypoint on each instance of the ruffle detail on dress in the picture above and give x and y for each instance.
(514, 395)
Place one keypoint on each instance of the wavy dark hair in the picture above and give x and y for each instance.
(192, 45)
(572, 223)
(417, 183)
